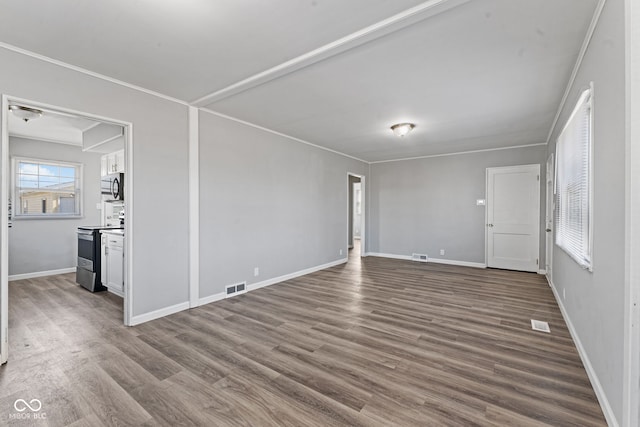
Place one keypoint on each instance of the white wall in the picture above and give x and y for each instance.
(595, 300)
(160, 169)
(424, 205)
(269, 202)
(37, 245)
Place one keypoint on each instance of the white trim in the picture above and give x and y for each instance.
(274, 132)
(212, 298)
(430, 260)
(392, 256)
(591, 373)
(194, 208)
(128, 229)
(4, 232)
(542, 271)
(251, 287)
(631, 355)
(578, 64)
(89, 73)
(156, 314)
(460, 263)
(269, 282)
(458, 153)
(372, 32)
(45, 273)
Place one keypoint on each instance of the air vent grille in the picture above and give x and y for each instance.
(236, 289)
(539, 325)
(420, 257)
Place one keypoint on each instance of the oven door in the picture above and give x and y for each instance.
(86, 248)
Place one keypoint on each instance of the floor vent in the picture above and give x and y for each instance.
(420, 257)
(237, 289)
(539, 325)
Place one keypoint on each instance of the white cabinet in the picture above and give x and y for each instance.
(115, 263)
(112, 163)
(103, 259)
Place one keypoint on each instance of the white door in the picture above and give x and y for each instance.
(548, 254)
(513, 217)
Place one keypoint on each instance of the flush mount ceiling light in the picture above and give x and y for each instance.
(401, 129)
(25, 113)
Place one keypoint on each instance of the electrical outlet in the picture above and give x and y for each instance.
(441, 251)
(256, 272)
(340, 251)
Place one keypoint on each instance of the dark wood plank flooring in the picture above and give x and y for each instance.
(373, 342)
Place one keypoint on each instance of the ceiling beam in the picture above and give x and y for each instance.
(382, 28)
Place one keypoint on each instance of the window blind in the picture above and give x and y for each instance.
(573, 183)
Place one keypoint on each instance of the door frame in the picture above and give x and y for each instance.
(549, 210)
(486, 211)
(5, 180)
(363, 202)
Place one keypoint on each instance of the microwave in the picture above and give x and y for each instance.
(112, 186)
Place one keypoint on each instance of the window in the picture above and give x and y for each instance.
(573, 182)
(46, 189)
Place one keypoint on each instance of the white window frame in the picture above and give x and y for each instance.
(15, 211)
(564, 227)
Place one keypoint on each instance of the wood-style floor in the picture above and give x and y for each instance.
(373, 342)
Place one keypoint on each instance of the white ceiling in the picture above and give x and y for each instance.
(52, 127)
(472, 75)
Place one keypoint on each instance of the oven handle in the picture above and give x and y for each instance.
(85, 236)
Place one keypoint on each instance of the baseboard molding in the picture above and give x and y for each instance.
(543, 272)
(460, 263)
(41, 274)
(268, 282)
(392, 256)
(290, 276)
(212, 298)
(434, 260)
(152, 315)
(591, 373)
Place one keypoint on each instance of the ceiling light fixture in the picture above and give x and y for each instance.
(401, 129)
(25, 113)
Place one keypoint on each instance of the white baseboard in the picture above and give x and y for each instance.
(152, 315)
(434, 260)
(460, 263)
(212, 298)
(591, 373)
(268, 282)
(543, 272)
(290, 276)
(392, 256)
(14, 277)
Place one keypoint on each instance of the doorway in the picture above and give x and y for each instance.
(59, 188)
(513, 217)
(356, 215)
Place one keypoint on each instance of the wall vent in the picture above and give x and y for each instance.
(420, 257)
(236, 289)
(539, 325)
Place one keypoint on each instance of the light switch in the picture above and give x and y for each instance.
(480, 202)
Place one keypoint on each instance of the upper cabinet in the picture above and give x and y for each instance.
(112, 163)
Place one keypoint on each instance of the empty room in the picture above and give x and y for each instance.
(319, 212)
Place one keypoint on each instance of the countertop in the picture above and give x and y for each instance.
(115, 231)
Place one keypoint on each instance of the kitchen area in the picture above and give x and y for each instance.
(67, 204)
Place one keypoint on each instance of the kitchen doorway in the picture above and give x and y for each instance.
(57, 187)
